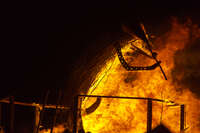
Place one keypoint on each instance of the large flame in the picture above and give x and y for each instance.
(122, 116)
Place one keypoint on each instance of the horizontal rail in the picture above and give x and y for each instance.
(35, 105)
(121, 97)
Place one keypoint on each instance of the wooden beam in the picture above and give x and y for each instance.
(56, 110)
(37, 118)
(182, 118)
(149, 116)
(49, 106)
(12, 115)
(75, 111)
(42, 111)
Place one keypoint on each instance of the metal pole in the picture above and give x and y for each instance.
(149, 116)
(182, 118)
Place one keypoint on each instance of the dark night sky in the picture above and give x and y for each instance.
(42, 41)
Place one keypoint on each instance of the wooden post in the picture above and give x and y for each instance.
(37, 118)
(1, 123)
(42, 111)
(182, 117)
(149, 116)
(56, 110)
(75, 111)
(12, 114)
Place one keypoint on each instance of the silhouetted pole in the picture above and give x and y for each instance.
(42, 111)
(182, 118)
(75, 111)
(56, 111)
(149, 116)
(150, 49)
(12, 114)
(1, 126)
(37, 118)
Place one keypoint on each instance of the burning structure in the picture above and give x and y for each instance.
(113, 98)
(107, 115)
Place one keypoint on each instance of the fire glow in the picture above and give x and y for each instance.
(122, 116)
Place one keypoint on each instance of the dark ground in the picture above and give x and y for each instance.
(42, 41)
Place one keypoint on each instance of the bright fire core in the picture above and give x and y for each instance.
(121, 115)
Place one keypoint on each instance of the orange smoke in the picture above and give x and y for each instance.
(122, 116)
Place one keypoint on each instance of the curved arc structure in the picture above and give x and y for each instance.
(132, 68)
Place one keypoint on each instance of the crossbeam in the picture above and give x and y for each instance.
(35, 105)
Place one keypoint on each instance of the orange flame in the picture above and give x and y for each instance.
(122, 116)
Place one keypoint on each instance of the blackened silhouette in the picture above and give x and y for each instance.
(161, 129)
